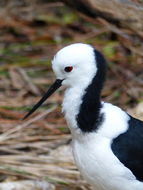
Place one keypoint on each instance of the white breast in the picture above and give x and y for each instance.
(100, 167)
(95, 159)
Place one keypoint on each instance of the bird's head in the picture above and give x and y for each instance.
(73, 65)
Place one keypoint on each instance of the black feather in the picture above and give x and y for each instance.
(128, 147)
(89, 117)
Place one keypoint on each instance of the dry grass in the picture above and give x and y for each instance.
(39, 148)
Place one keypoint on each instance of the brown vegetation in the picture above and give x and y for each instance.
(31, 32)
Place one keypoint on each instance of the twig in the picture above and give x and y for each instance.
(28, 82)
(7, 134)
(15, 79)
(91, 34)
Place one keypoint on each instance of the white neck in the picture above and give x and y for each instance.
(72, 101)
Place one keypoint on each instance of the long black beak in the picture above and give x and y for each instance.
(50, 91)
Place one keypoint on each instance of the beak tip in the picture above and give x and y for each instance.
(51, 90)
(24, 118)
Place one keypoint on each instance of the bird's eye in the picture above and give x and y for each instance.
(68, 69)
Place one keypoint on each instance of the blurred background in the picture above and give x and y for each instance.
(36, 154)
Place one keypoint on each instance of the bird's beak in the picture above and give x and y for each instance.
(50, 91)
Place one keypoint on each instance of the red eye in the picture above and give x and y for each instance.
(68, 69)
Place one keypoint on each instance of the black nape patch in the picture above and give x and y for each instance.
(128, 147)
(89, 117)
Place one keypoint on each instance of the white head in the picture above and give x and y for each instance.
(74, 64)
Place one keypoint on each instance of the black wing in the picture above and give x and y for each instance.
(128, 147)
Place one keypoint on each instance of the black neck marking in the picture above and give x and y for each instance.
(89, 116)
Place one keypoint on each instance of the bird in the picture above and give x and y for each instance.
(107, 142)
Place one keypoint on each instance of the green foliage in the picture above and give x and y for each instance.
(109, 49)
